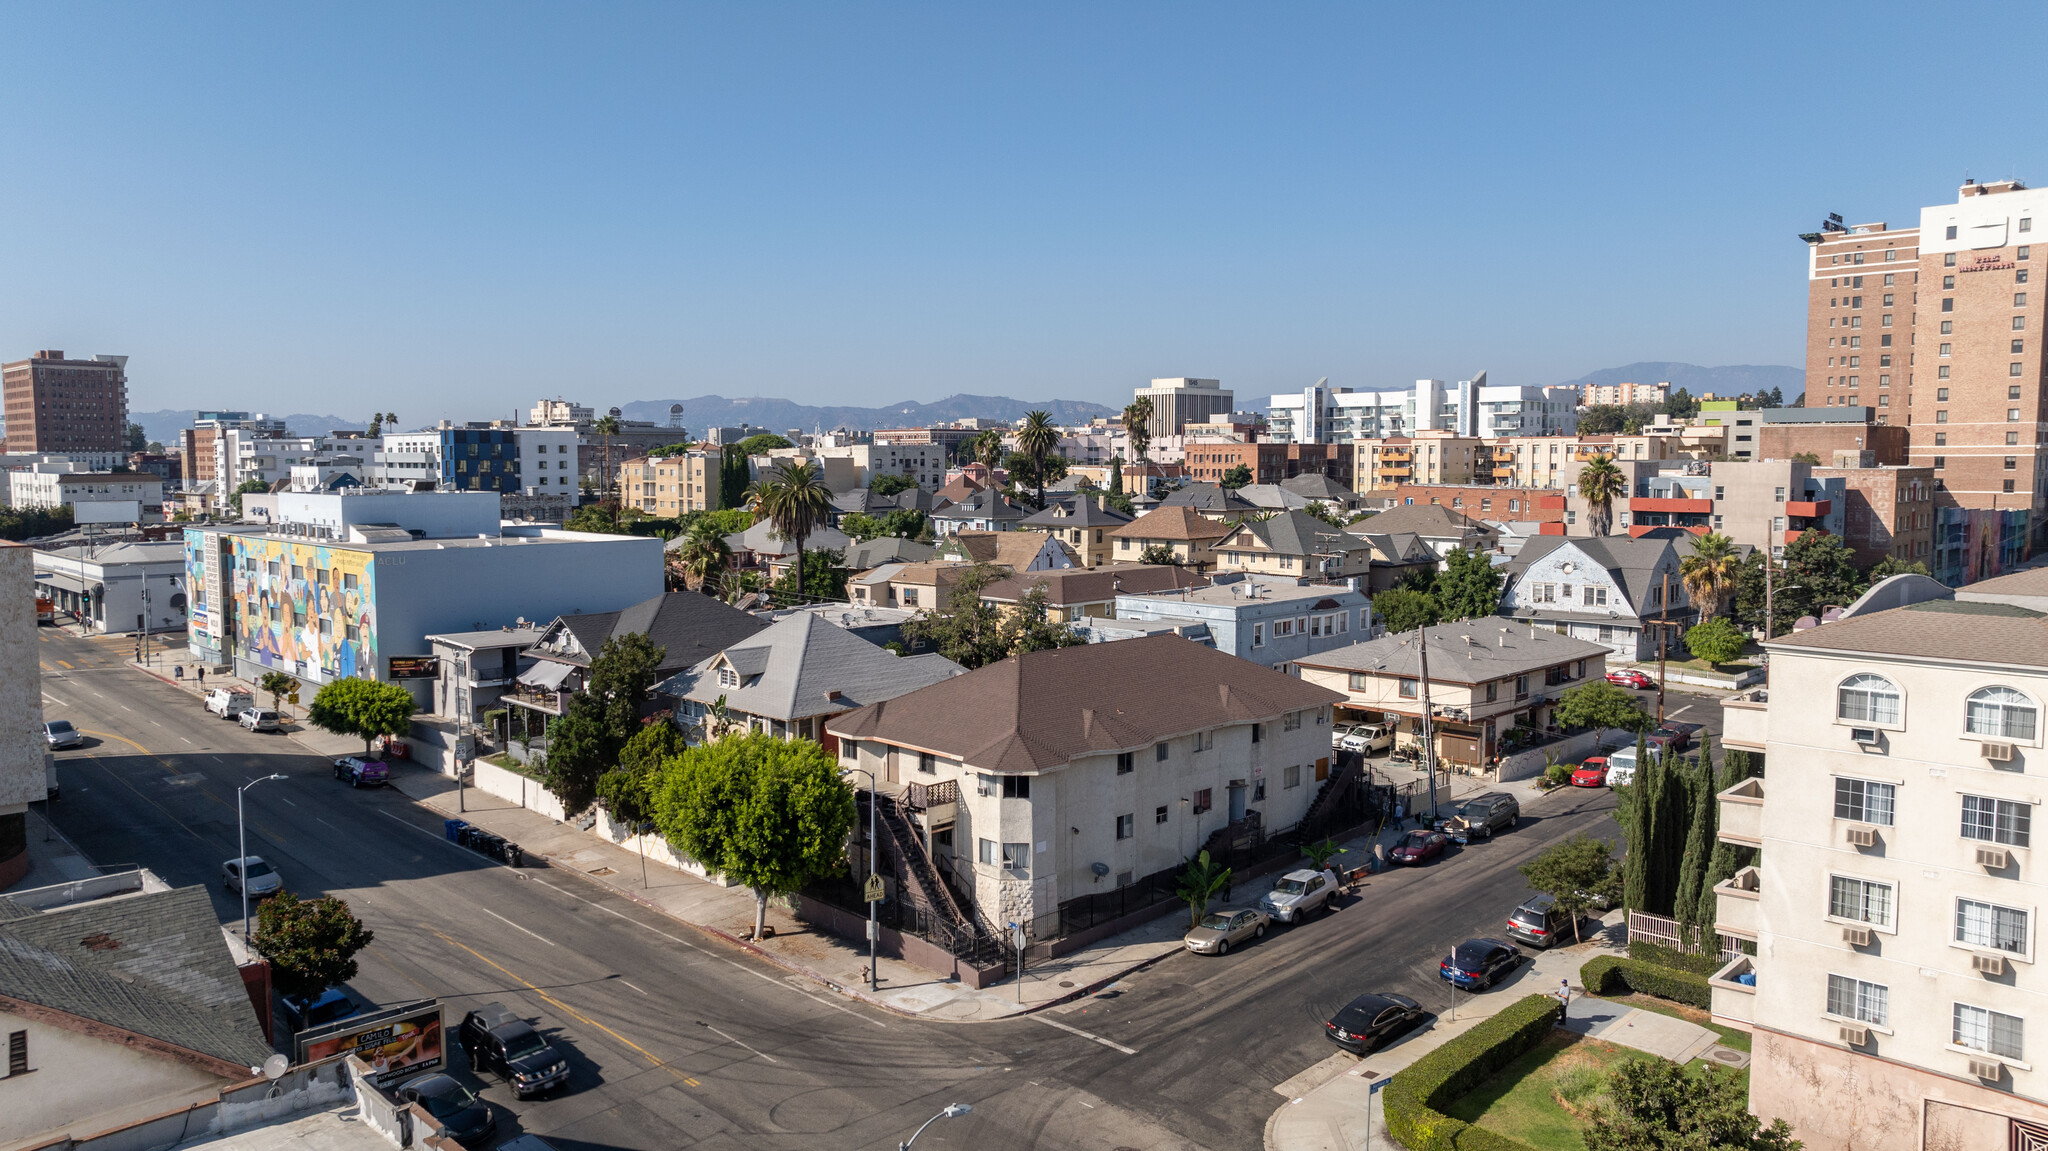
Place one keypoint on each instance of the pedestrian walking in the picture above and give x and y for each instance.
(1564, 999)
(202, 679)
(1379, 857)
(1400, 814)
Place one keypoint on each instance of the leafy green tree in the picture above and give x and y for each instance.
(1201, 881)
(362, 707)
(1890, 566)
(598, 720)
(733, 478)
(666, 450)
(1468, 587)
(1717, 641)
(1574, 873)
(1161, 554)
(885, 485)
(311, 943)
(279, 685)
(1656, 1105)
(627, 791)
(1823, 570)
(1602, 706)
(762, 443)
(1322, 511)
(1600, 484)
(1601, 420)
(1403, 609)
(1680, 405)
(824, 576)
(601, 518)
(974, 633)
(1120, 502)
(768, 813)
(1238, 476)
(1116, 475)
(246, 487)
(860, 526)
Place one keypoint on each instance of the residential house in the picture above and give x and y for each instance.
(861, 555)
(1077, 770)
(791, 677)
(865, 501)
(914, 586)
(1294, 544)
(1323, 489)
(1020, 551)
(961, 486)
(983, 511)
(1488, 678)
(1889, 918)
(687, 626)
(1265, 619)
(1444, 529)
(1083, 524)
(1075, 594)
(1212, 500)
(472, 669)
(760, 545)
(1617, 591)
(1395, 557)
(1188, 535)
(880, 626)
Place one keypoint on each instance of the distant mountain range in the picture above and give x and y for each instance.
(163, 426)
(782, 415)
(1731, 380)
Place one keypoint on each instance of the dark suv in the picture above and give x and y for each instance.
(499, 1041)
(1540, 923)
(1482, 815)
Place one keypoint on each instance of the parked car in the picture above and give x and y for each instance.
(1621, 766)
(326, 1007)
(1591, 773)
(1418, 847)
(468, 1119)
(228, 703)
(497, 1040)
(250, 876)
(60, 733)
(1220, 930)
(1539, 922)
(1674, 735)
(1477, 964)
(360, 772)
(1339, 731)
(1482, 815)
(1365, 1022)
(260, 719)
(1299, 894)
(1367, 738)
(1630, 677)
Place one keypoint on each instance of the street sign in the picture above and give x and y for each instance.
(874, 890)
(294, 697)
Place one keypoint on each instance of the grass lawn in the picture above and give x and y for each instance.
(1518, 1101)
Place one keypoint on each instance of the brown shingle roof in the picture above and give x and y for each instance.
(1990, 633)
(1175, 523)
(959, 488)
(1014, 550)
(1095, 585)
(1042, 710)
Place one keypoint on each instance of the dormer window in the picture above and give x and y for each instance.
(727, 677)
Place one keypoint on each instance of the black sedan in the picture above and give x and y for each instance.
(1419, 847)
(1478, 964)
(1369, 1019)
(468, 1119)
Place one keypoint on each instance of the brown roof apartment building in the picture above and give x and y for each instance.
(55, 404)
(1123, 755)
(1188, 534)
(1081, 593)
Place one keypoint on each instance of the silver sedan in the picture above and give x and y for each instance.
(1219, 930)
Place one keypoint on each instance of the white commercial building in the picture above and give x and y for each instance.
(93, 497)
(924, 464)
(1321, 414)
(117, 587)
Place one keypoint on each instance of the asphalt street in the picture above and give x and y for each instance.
(678, 1040)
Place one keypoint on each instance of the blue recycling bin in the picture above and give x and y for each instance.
(452, 828)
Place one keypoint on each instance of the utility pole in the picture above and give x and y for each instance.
(1769, 620)
(1428, 724)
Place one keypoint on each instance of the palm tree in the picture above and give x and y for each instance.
(703, 554)
(607, 426)
(1138, 426)
(795, 501)
(1710, 572)
(1601, 483)
(1037, 439)
(988, 448)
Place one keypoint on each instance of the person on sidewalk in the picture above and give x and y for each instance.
(1379, 857)
(1564, 999)
(202, 678)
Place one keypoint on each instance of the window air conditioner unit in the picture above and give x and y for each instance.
(1865, 736)
(1855, 1036)
(1989, 1070)
(1998, 752)
(1860, 836)
(1993, 858)
(1856, 936)
(1988, 964)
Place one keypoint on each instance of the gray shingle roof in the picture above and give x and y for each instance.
(1631, 561)
(154, 964)
(1082, 512)
(1208, 498)
(1469, 651)
(982, 505)
(1433, 520)
(874, 553)
(1976, 632)
(1299, 534)
(790, 669)
(686, 625)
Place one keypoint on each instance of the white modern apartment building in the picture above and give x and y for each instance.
(1321, 414)
(1178, 401)
(1895, 994)
(538, 466)
(93, 497)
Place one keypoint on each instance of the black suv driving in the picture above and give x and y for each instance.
(496, 1039)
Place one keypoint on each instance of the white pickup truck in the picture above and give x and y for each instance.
(228, 703)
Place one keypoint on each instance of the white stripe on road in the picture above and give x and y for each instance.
(632, 985)
(730, 1039)
(1083, 1034)
(514, 926)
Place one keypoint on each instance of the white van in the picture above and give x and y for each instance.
(1621, 766)
(228, 703)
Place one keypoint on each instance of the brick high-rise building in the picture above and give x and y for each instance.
(59, 405)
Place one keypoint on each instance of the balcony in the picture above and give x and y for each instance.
(1794, 533)
(1734, 999)
(1668, 504)
(1742, 814)
(1503, 473)
(1745, 719)
(1736, 901)
(1808, 507)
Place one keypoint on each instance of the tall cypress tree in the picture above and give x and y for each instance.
(1635, 870)
(1699, 850)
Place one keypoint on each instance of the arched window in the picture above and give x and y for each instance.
(1867, 699)
(2001, 713)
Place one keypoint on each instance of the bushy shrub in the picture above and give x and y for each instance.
(1661, 956)
(1611, 975)
(1557, 774)
(1414, 1098)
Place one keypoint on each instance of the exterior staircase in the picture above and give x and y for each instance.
(963, 930)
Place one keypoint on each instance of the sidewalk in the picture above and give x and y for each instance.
(1331, 1104)
(51, 857)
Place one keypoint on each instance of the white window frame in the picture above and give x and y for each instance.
(1880, 1025)
(1897, 723)
(1986, 737)
(1889, 925)
(1893, 812)
(1955, 1012)
(2026, 952)
(1993, 799)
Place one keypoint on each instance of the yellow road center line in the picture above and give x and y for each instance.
(65, 666)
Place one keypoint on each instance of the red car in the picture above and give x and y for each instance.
(1418, 846)
(1592, 773)
(1630, 677)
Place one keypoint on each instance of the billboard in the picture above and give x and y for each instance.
(415, 666)
(106, 512)
(397, 1042)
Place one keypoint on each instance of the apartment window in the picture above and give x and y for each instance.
(849, 749)
(989, 851)
(1258, 635)
(2012, 439)
(1941, 439)
(1941, 416)
(1944, 349)
(1948, 327)
(2019, 323)
(1007, 786)
(1949, 261)
(927, 763)
(1126, 826)
(1982, 1029)
(1290, 721)
(1159, 814)
(1989, 925)
(1017, 857)
(1521, 686)
(1492, 691)
(1940, 462)
(1290, 776)
(1860, 900)
(1951, 235)
(1862, 801)
(17, 1053)
(2026, 223)
(2000, 713)
(1997, 820)
(2011, 462)
(2012, 415)
(1948, 303)
(1203, 800)
(1855, 999)
(1948, 283)
(1867, 699)
(2022, 253)
(1408, 689)
(2020, 277)
(1258, 733)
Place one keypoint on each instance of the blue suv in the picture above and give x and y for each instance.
(1477, 964)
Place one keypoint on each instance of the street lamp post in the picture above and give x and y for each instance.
(952, 1111)
(873, 933)
(242, 850)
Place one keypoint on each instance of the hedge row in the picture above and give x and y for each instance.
(1612, 975)
(1414, 1098)
(1659, 955)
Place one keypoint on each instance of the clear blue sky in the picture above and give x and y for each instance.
(452, 210)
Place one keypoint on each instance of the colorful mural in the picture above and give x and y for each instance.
(307, 609)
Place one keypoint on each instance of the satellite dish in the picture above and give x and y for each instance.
(275, 1067)
(1100, 870)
